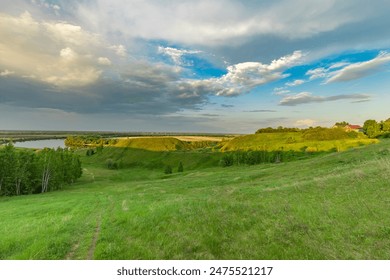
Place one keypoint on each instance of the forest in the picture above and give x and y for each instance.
(25, 171)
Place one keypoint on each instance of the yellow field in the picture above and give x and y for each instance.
(182, 138)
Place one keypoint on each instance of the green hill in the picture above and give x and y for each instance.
(291, 141)
(153, 143)
(136, 157)
(333, 206)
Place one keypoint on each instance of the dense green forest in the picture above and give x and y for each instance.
(26, 171)
(374, 129)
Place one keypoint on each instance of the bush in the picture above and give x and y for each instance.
(168, 169)
(227, 160)
(323, 134)
(291, 140)
(311, 150)
(111, 164)
(180, 168)
(90, 152)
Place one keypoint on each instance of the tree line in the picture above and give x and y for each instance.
(374, 129)
(88, 141)
(29, 172)
(371, 128)
(259, 157)
(315, 133)
(277, 130)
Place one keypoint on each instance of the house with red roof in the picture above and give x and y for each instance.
(353, 127)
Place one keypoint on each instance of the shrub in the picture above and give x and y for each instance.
(90, 152)
(322, 134)
(291, 140)
(111, 164)
(168, 169)
(227, 160)
(311, 150)
(180, 167)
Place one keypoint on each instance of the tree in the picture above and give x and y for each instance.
(385, 126)
(7, 169)
(46, 166)
(111, 164)
(90, 152)
(22, 172)
(168, 169)
(26, 172)
(371, 128)
(180, 168)
(341, 124)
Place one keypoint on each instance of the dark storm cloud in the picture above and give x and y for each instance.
(143, 91)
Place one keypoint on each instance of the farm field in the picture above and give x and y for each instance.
(331, 206)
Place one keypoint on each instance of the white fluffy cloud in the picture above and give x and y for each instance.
(305, 123)
(119, 50)
(295, 83)
(359, 70)
(243, 77)
(217, 22)
(176, 55)
(317, 73)
(343, 71)
(58, 53)
(6, 73)
(104, 61)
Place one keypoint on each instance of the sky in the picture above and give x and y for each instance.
(221, 66)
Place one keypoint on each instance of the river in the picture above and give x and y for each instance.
(40, 144)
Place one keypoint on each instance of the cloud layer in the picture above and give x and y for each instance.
(243, 77)
(54, 52)
(63, 62)
(137, 59)
(307, 97)
(359, 70)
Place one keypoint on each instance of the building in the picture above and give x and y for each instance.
(353, 127)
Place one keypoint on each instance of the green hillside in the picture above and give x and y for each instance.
(292, 141)
(132, 157)
(153, 143)
(333, 206)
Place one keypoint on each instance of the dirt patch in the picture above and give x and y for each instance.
(70, 255)
(125, 207)
(91, 250)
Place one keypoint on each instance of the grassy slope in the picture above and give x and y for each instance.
(330, 207)
(290, 141)
(130, 157)
(153, 143)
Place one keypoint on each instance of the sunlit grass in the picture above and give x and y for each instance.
(333, 206)
(291, 141)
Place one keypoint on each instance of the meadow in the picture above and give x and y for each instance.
(293, 141)
(331, 206)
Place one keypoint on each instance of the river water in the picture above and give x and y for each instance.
(40, 144)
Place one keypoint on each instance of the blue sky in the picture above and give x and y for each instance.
(192, 66)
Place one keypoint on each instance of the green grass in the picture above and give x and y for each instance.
(291, 141)
(153, 143)
(333, 206)
(131, 157)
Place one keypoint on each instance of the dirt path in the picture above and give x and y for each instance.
(91, 250)
(70, 255)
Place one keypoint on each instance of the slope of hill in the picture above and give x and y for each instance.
(293, 141)
(333, 206)
(134, 157)
(153, 143)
